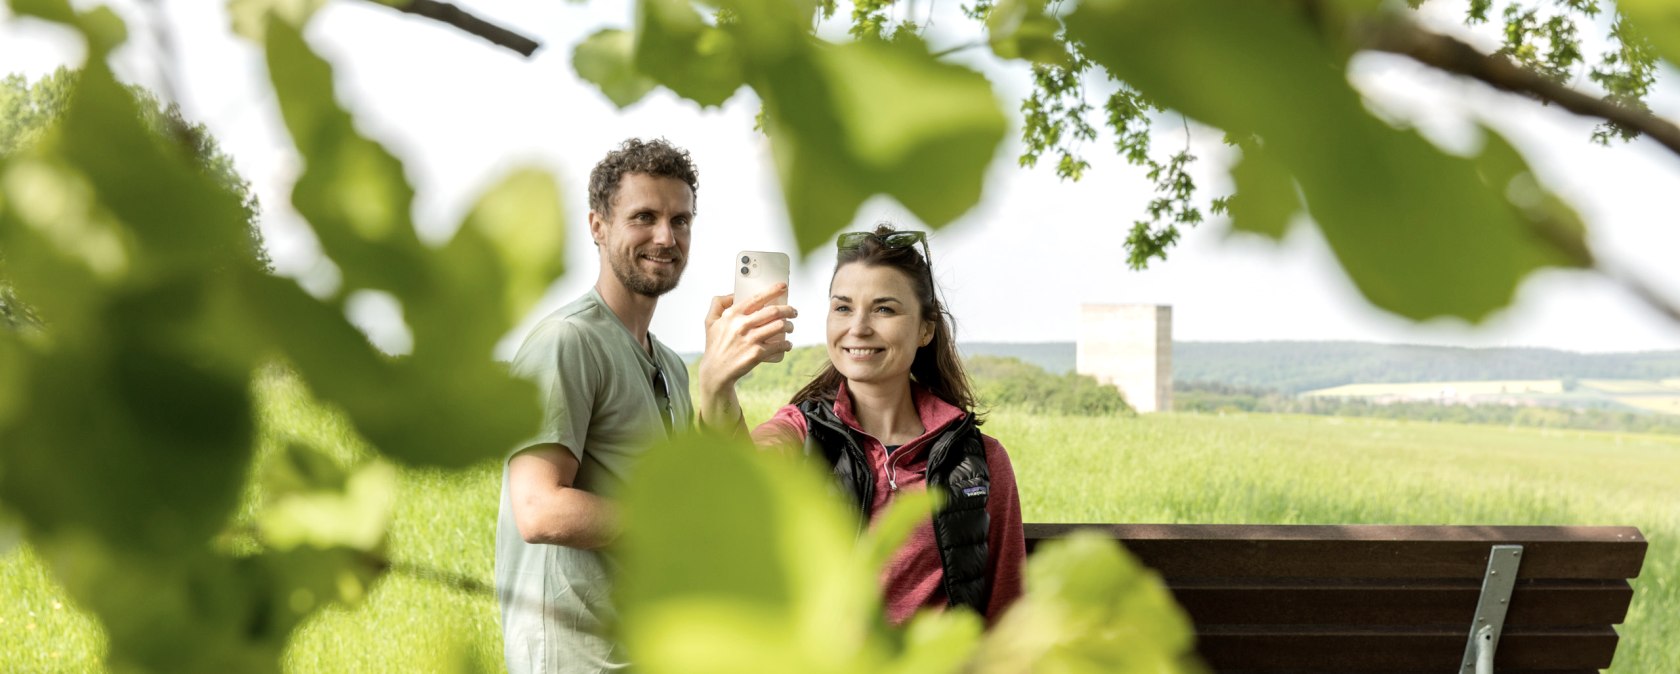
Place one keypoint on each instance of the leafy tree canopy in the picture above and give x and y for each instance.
(1422, 232)
(1075, 94)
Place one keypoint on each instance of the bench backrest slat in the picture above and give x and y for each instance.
(1350, 650)
(1551, 603)
(1368, 598)
(1368, 551)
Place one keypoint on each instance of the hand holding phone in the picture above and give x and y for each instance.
(743, 330)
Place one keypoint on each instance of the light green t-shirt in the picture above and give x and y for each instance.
(599, 401)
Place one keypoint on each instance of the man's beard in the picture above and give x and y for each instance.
(629, 272)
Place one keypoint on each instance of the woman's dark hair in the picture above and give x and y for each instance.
(937, 365)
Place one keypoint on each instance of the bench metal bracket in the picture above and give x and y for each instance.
(1497, 583)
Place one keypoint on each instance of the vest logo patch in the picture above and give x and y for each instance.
(976, 490)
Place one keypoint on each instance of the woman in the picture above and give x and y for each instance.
(893, 412)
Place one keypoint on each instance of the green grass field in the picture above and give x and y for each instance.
(1163, 468)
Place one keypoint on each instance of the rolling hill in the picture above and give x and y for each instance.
(1295, 367)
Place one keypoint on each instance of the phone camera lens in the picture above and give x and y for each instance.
(745, 271)
(745, 259)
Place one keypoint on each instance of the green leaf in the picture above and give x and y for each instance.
(86, 194)
(11, 532)
(501, 260)
(522, 226)
(1020, 29)
(605, 60)
(1658, 20)
(14, 377)
(336, 359)
(250, 17)
(1559, 226)
(759, 570)
(723, 543)
(104, 30)
(859, 119)
(56, 11)
(352, 191)
(1090, 607)
(161, 441)
(771, 28)
(298, 469)
(64, 252)
(1417, 230)
(675, 47)
(104, 138)
(202, 612)
(938, 641)
(441, 406)
(313, 502)
(1265, 197)
(447, 404)
(100, 26)
(895, 525)
(163, 432)
(715, 636)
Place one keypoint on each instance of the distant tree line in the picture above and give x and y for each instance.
(1010, 383)
(1294, 367)
(1207, 397)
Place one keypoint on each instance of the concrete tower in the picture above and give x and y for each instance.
(1129, 346)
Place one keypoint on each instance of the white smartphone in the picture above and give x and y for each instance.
(756, 271)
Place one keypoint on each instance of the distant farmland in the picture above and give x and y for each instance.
(1661, 396)
(1296, 367)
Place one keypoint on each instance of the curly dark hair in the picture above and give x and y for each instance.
(656, 157)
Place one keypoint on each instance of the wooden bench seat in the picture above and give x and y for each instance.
(1378, 598)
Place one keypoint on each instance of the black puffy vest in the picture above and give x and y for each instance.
(956, 463)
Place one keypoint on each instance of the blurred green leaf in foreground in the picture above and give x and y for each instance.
(126, 423)
(739, 560)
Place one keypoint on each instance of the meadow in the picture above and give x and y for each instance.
(1157, 468)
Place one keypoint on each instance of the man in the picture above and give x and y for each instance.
(609, 389)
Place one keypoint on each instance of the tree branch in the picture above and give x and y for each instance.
(444, 12)
(1451, 55)
(1454, 56)
(460, 582)
(958, 48)
(1642, 290)
(455, 581)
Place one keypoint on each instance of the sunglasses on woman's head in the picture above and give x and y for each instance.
(894, 240)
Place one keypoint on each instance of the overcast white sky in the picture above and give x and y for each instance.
(461, 113)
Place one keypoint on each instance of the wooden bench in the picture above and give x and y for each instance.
(1367, 598)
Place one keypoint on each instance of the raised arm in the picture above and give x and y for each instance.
(548, 509)
(738, 338)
